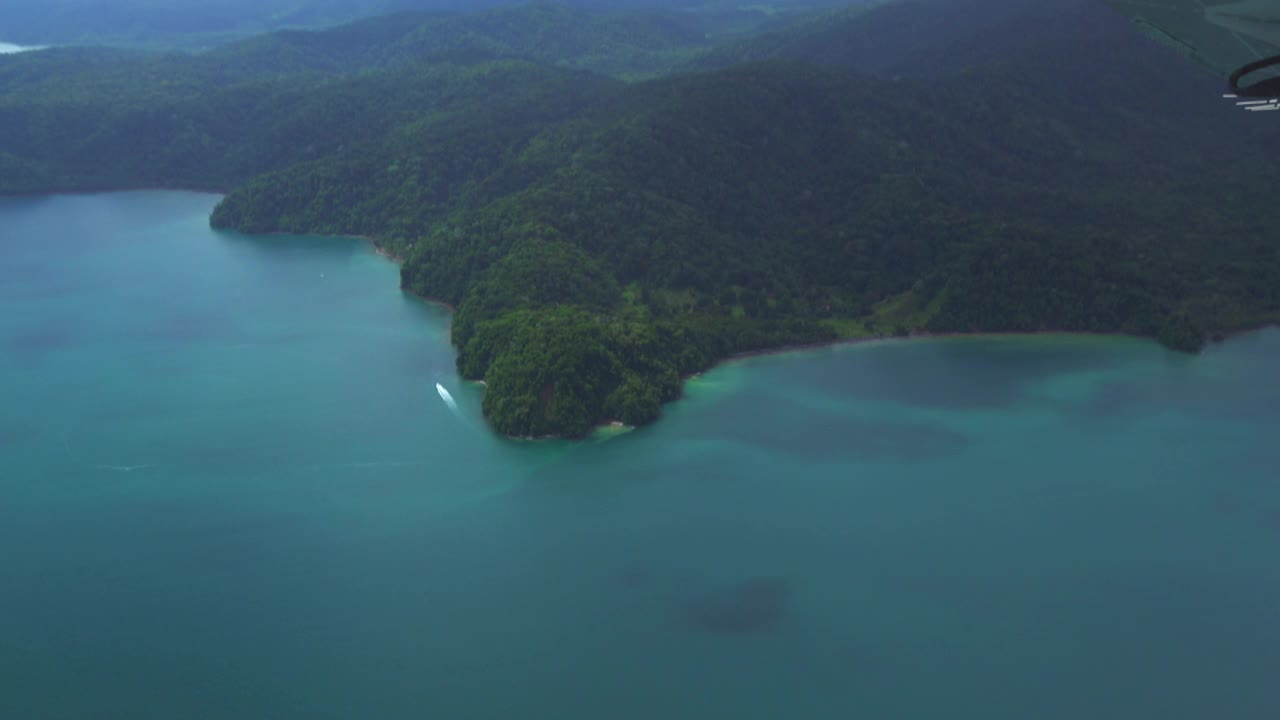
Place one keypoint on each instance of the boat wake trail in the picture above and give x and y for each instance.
(448, 399)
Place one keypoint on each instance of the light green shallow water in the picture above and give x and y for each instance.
(228, 488)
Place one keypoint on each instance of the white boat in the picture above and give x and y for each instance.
(444, 395)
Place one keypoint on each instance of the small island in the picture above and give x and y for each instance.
(609, 218)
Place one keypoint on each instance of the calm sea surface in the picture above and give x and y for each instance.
(229, 489)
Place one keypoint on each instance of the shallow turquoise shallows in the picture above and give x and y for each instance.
(229, 488)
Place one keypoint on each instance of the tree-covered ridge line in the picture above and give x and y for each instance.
(623, 44)
(182, 23)
(228, 135)
(602, 240)
(618, 43)
(95, 118)
(197, 24)
(693, 218)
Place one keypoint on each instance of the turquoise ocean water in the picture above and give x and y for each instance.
(229, 489)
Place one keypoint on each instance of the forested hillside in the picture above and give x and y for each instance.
(186, 23)
(194, 24)
(600, 240)
(228, 134)
(617, 43)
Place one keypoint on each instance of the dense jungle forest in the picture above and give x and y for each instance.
(614, 199)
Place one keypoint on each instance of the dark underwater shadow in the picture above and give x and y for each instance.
(821, 434)
(749, 606)
(36, 278)
(756, 620)
(960, 373)
(39, 287)
(1270, 520)
(602, 466)
(1232, 381)
(30, 345)
(185, 325)
(1172, 392)
(277, 248)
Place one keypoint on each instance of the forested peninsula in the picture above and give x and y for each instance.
(613, 201)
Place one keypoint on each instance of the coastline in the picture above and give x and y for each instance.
(437, 302)
(380, 250)
(613, 426)
(1222, 336)
(610, 427)
(873, 339)
(1214, 338)
(112, 190)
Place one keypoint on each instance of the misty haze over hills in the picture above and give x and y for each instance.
(203, 23)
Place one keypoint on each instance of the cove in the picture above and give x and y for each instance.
(230, 488)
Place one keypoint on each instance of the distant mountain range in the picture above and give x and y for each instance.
(160, 24)
(923, 166)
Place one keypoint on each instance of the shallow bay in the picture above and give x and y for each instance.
(229, 488)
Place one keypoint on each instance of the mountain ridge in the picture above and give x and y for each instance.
(602, 239)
